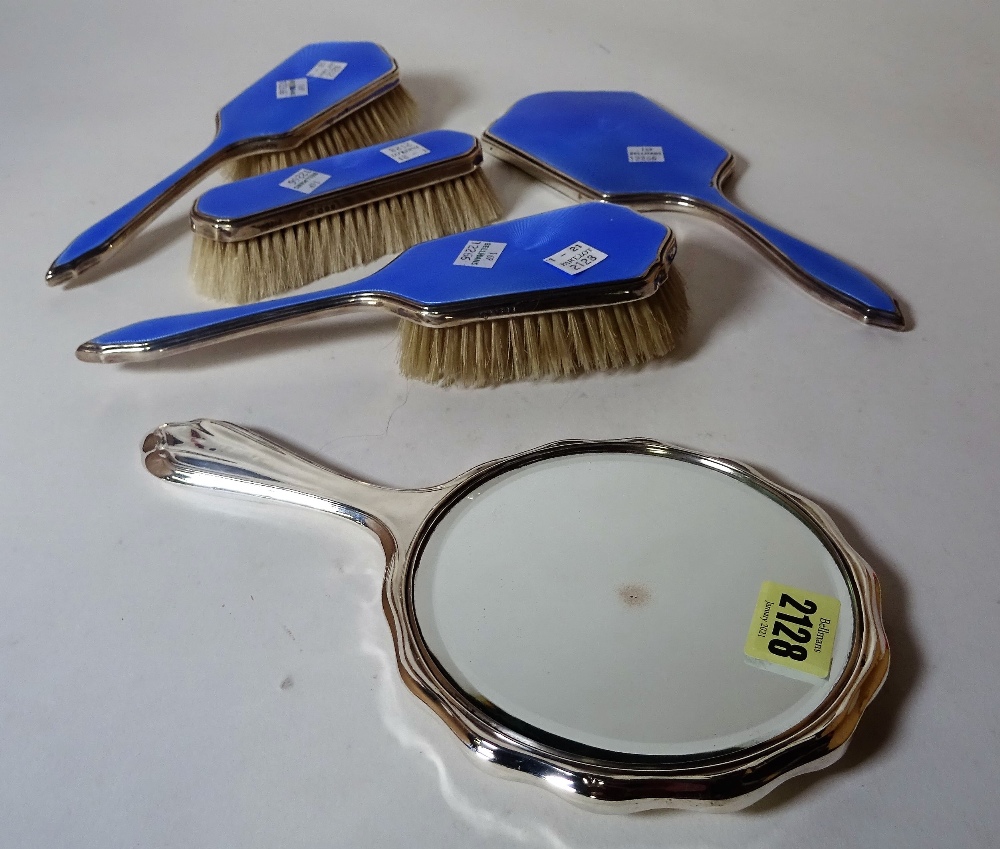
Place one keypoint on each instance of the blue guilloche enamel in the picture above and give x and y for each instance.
(265, 192)
(834, 273)
(257, 112)
(426, 274)
(585, 135)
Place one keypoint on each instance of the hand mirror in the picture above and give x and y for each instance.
(583, 615)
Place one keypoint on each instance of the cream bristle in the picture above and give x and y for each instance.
(548, 345)
(241, 272)
(387, 117)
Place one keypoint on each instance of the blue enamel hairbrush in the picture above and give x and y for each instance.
(324, 99)
(268, 234)
(621, 147)
(577, 289)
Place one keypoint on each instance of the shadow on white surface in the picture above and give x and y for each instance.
(438, 96)
(721, 287)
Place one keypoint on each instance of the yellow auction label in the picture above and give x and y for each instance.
(793, 630)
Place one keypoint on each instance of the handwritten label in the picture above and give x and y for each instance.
(792, 631)
(305, 181)
(480, 254)
(576, 258)
(326, 69)
(404, 151)
(645, 153)
(292, 88)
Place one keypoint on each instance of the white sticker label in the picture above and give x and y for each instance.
(649, 153)
(292, 88)
(305, 181)
(404, 151)
(327, 69)
(576, 258)
(478, 254)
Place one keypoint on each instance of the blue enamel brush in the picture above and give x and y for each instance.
(578, 289)
(324, 99)
(620, 147)
(265, 235)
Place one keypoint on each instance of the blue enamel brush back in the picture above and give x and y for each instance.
(427, 275)
(586, 135)
(264, 193)
(259, 111)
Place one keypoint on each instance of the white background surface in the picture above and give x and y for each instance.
(182, 670)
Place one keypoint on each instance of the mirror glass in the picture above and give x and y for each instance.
(605, 598)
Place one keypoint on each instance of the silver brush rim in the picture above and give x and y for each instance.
(361, 194)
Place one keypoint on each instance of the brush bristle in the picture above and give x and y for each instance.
(241, 272)
(548, 345)
(387, 117)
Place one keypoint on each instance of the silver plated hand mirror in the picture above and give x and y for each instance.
(628, 624)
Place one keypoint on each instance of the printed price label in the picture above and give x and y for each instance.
(305, 181)
(480, 254)
(792, 631)
(646, 153)
(404, 151)
(292, 88)
(576, 258)
(326, 69)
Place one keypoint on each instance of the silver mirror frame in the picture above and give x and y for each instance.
(221, 456)
(614, 782)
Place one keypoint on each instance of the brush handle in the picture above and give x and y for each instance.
(108, 235)
(222, 457)
(826, 277)
(161, 337)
